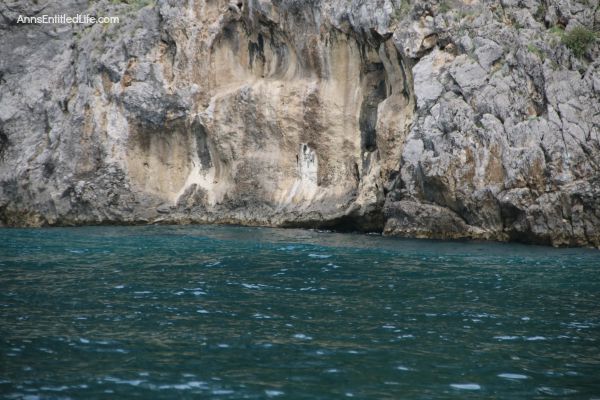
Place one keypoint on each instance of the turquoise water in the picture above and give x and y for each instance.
(234, 313)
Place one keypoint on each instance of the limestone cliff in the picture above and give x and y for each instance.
(437, 118)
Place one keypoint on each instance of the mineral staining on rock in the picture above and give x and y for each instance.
(444, 119)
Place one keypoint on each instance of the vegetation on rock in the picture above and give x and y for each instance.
(579, 39)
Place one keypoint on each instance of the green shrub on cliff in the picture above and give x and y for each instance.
(578, 40)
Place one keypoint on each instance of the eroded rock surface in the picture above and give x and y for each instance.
(445, 119)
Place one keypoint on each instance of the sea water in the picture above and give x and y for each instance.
(164, 312)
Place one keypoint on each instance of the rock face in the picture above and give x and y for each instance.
(442, 119)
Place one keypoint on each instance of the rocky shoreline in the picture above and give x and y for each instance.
(435, 119)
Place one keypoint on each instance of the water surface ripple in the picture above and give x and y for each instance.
(249, 313)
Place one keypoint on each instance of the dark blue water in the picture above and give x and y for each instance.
(233, 313)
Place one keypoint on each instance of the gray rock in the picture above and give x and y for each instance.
(488, 52)
(468, 74)
(427, 88)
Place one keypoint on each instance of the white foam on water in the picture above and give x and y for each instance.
(555, 391)
(122, 351)
(189, 385)
(77, 251)
(512, 376)
(506, 337)
(273, 393)
(193, 384)
(131, 382)
(536, 338)
(302, 336)
(213, 264)
(54, 388)
(580, 325)
(313, 255)
(251, 286)
(222, 392)
(465, 386)
(288, 248)
(407, 336)
(45, 350)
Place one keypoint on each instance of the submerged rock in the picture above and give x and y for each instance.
(443, 119)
